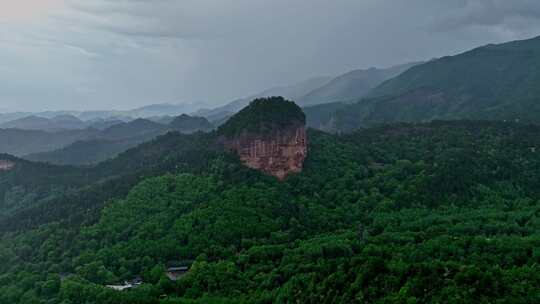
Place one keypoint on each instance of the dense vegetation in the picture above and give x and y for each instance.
(75, 194)
(190, 124)
(86, 152)
(264, 115)
(493, 82)
(445, 212)
(28, 182)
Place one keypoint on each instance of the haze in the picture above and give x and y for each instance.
(103, 54)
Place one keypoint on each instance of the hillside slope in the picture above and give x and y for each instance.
(190, 124)
(377, 216)
(352, 85)
(21, 142)
(118, 138)
(493, 82)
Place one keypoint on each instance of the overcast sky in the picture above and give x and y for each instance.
(103, 54)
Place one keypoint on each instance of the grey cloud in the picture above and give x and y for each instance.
(160, 18)
(126, 53)
(501, 14)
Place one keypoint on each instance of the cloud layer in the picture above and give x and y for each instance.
(80, 54)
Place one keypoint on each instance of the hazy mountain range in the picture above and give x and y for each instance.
(91, 145)
(292, 92)
(318, 90)
(493, 82)
(352, 85)
(153, 110)
(349, 86)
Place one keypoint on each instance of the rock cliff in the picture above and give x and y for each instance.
(269, 135)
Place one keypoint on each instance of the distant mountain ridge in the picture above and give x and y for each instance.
(319, 90)
(153, 110)
(492, 82)
(190, 124)
(21, 142)
(352, 85)
(116, 139)
(292, 92)
(57, 123)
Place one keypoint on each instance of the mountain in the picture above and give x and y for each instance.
(376, 216)
(164, 120)
(318, 90)
(352, 85)
(23, 183)
(103, 139)
(74, 194)
(268, 135)
(9, 116)
(321, 116)
(153, 110)
(190, 124)
(29, 123)
(22, 142)
(102, 123)
(137, 127)
(68, 122)
(164, 110)
(102, 145)
(57, 123)
(292, 92)
(116, 139)
(493, 82)
(87, 152)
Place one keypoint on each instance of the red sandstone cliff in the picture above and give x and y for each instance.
(279, 153)
(268, 135)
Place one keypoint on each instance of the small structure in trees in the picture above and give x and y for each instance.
(178, 269)
(127, 285)
(175, 273)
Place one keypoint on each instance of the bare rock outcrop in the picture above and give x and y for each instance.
(269, 135)
(278, 154)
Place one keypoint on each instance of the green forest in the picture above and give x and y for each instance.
(263, 115)
(441, 212)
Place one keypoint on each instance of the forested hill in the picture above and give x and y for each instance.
(118, 138)
(407, 213)
(264, 115)
(39, 193)
(493, 82)
(352, 85)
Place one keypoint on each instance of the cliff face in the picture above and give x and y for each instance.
(278, 153)
(268, 135)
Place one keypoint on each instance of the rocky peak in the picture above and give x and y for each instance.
(268, 135)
